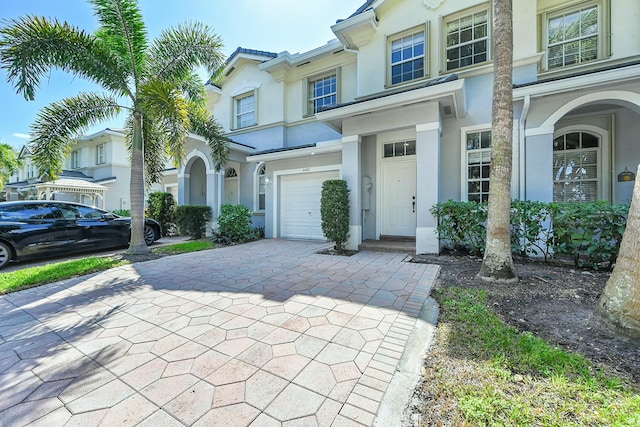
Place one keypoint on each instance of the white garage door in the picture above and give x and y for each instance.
(300, 205)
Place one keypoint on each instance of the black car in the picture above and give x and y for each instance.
(39, 228)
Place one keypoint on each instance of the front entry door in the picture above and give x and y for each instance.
(399, 199)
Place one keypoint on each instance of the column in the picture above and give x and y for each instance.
(351, 172)
(427, 186)
(538, 164)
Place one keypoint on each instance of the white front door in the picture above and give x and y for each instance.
(399, 198)
(231, 191)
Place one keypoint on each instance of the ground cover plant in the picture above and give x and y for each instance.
(531, 354)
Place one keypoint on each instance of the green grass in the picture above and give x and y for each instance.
(34, 276)
(499, 376)
(181, 248)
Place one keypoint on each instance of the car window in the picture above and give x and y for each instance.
(69, 211)
(88, 212)
(29, 212)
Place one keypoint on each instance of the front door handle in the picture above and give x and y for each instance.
(414, 204)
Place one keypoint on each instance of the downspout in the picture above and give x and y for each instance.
(522, 150)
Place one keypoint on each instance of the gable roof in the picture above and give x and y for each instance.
(361, 9)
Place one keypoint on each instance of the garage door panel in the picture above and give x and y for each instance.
(300, 205)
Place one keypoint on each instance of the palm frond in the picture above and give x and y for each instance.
(206, 126)
(154, 151)
(57, 125)
(194, 88)
(31, 46)
(167, 106)
(176, 51)
(123, 31)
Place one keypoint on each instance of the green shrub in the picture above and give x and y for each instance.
(122, 212)
(234, 225)
(462, 225)
(588, 233)
(192, 220)
(334, 212)
(161, 207)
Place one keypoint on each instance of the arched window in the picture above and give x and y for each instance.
(230, 173)
(576, 167)
(261, 184)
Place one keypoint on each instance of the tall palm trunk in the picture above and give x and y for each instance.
(497, 264)
(137, 244)
(621, 298)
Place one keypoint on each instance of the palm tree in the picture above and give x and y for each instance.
(155, 83)
(497, 263)
(620, 300)
(9, 163)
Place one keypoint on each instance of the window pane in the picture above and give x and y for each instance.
(388, 150)
(572, 37)
(407, 58)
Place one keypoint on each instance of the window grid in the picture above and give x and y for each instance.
(408, 58)
(245, 111)
(262, 184)
(323, 92)
(572, 37)
(75, 159)
(100, 154)
(468, 40)
(478, 165)
(399, 149)
(575, 167)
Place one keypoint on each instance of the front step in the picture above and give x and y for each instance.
(405, 246)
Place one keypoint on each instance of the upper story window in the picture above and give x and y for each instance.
(31, 170)
(478, 165)
(467, 38)
(576, 176)
(100, 159)
(323, 92)
(573, 35)
(407, 56)
(75, 159)
(245, 110)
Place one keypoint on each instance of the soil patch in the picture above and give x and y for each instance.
(556, 303)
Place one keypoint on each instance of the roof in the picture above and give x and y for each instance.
(361, 9)
(239, 50)
(278, 150)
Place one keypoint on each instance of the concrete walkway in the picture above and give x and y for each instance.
(264, 334)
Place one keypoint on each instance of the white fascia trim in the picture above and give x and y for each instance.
(366, 18)
(212, 88)
(454, 89)
(323, 147)
(578, 82)
(285, 58)
(100, 133)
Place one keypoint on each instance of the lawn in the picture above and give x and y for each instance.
(35, 276)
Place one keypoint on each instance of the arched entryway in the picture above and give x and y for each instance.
(197, 182)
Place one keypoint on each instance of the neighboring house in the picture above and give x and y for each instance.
(96, 172)
(400, 107)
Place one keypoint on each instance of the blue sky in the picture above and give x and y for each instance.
(271, 25)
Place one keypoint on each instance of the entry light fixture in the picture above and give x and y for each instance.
(626, 175)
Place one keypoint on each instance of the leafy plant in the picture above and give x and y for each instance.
(192, 220)
(461, 225)
(161, 207)
(334, 212)
(122, 212)
(234, 225)
(530, 228)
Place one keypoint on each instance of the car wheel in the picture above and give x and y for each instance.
(149, 235)
(5, 255)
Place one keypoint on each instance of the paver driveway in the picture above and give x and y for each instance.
(267, 333)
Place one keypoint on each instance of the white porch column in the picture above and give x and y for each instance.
(427, 186)
(538, 163)
(351, 172)
(183, 189)
(215, 183)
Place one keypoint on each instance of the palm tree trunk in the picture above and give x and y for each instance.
(137, 245)
(620, 301)
(497, 264)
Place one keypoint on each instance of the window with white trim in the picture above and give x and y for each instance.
(573, 35)
(407, 56)
(245, 110)
(31, 170)
(467, 39)
(576, 176)
(261, 188)
(100, 154)
(322, 92)
(399, 149)
(478, 158)
(75, 159)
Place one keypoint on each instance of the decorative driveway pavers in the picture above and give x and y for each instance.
(267, 333)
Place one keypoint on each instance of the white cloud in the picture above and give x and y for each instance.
(22, 135)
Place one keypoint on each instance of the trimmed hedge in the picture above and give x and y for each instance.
(161, 207)
(234, 225)
(589, 234)
(192, 220)
(334, 212)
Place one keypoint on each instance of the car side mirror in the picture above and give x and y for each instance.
(108, 216)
